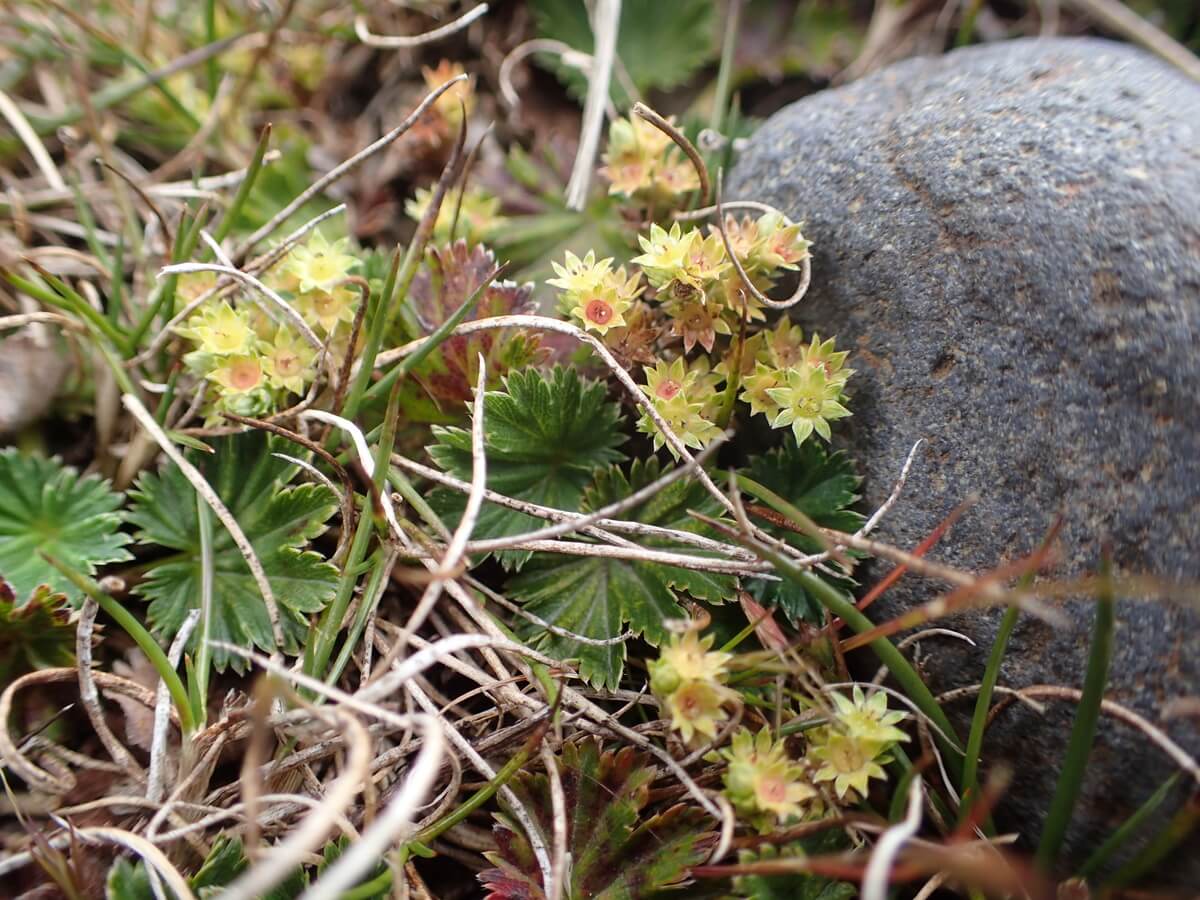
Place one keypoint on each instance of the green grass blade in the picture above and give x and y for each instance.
(376, 327)
(243, 192)
(1083, 732)
(434, 340)
(145, 641)
(1181, 825)
(1128, 828)
(983, 704)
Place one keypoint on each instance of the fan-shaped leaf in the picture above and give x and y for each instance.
(278, 521)
(595, 596)
(45, 507)
(546, 434)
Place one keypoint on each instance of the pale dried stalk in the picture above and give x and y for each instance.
(155, 788)
(616, 508)
(558, 819)
(875, 878)
(313, 830)
(643, 554)
(294, 318)
(606, 20)
(519, 812)
(156, 860)
(404, 41)
(89, 697)
(394, 824)
(598, 530)
(365, 458)
(205, 490)
(32, 142)
(33, 775)
(747, 283)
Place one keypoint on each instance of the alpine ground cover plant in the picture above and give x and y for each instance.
(524, 549)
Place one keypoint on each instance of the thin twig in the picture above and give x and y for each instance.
(403, 41)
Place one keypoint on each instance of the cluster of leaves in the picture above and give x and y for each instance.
(615, 850)
(551, 439)
(36, 633)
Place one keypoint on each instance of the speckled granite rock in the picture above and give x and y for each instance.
(1008, 237)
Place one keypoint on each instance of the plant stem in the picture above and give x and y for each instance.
(1083, 732)
(733, 18)
(203, 650)
(140, 635)
(485, 793)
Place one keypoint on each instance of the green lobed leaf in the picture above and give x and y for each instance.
(595, 596)
(278, 520)
(616, 854)
(822, 484)
(127, 879)
(660, 44)
(45, 507)
(35, 634)
(545, 434)
(798, 886)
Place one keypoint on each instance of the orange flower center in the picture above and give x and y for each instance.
(599, 311)
(668, 389)
(772, 789)
(286, 362)
(244, 375)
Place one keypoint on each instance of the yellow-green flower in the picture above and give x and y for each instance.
(681, 396)
(320, 265)
(687, 658)
(784, 345)
(675, 175)
(580, 277)
(845, 760)
(781, 245)
(594, 294)
(685, 264)
(808, 402)
(665, 254)
(219, 329)
(757, 387)
(696, 709)
(633, 155)
(826, 356)
(478, 214)
(868, 719)
(287, 361)
(762, 782)
(328, 308)
(238, 374)
(696, 323)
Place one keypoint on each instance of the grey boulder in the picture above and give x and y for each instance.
(1008, 239)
